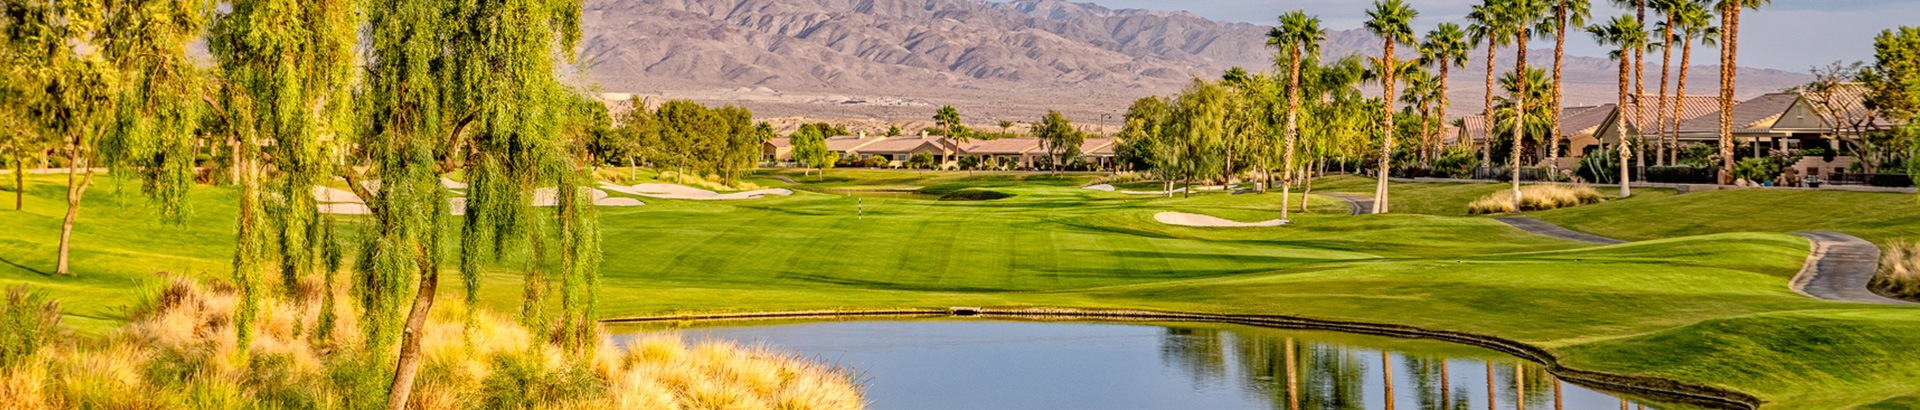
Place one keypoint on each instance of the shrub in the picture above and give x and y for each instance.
(922, 161)
(1899, 271)
(1535, 198)
(1456, 162)
(28, 322)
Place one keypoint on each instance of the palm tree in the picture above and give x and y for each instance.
(1299, 36)
(1488, 28)
(1392, 21)
(1639, 82)
(1521, 14)
(1422, 90)
(1694, 24)
(1667, 10)
(1446, 46)
(1625, 33)
(1565, 13)
(1729, 52)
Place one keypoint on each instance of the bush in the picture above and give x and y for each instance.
(28, 322)
(1456, 162)
(1535, 198)
(1899, 271)
(1600, 167)
(922, 161)
(1756, 170)
(1683, 175)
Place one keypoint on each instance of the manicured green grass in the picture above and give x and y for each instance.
(1700, 305)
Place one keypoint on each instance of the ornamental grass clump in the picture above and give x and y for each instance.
(1535, 198)
(178, 352)
(1899, 271)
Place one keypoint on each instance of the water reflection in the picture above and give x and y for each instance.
(946, 364)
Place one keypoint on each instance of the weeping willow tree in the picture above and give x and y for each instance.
(110, 84)
(469, 87)
(285, 72)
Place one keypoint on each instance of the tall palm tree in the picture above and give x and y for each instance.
(1520, 15)
(1422, 90)
(1625, 34)
(1299, 36)
(1694, 24)
(1566, 13)
(1667, 10)
(1392, 21)
(1488, 27)
(1639, 79)
(1729, 53)
(1445, 47)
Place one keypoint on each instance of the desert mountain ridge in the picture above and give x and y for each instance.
(896, 60)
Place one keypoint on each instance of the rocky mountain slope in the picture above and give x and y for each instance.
(1011, 60)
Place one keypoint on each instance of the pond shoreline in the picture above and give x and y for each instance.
(1664, 389)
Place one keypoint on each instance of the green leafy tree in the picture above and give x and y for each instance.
(810, 147)
(1391, 20)
(1061, 140)
(1896, 67)
(1298, 37)
(893, 130)
(1444, 48)
(1195, 130)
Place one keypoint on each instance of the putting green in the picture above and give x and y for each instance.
(1701, 307)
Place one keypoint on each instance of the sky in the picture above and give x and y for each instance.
(1791, 35)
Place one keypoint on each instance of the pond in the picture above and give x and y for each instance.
(980, 364)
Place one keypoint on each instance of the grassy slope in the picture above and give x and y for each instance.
(1710, 309)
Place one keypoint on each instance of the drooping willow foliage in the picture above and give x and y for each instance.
(285, 72)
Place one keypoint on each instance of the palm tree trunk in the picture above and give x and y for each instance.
(1680, 94)
(1442, 110)
(1620, 128)
(1519, 386)
(1486, 116)
(1293, 379)
(1727, 16)
(1559, 56)
(1491, 399)
(1666, 62)
(1640, 88)
(1386, 374)
(1444, 387)
(1293, 129)
(1519, 115)
(1380, 204)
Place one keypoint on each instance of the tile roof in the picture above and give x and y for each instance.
(1691, 107)
(780, 142)
(1759, 112)
(1583, 120)
(1003, 146)
(1097, 146)
(849, 143)
(1848, 101)
(901, 145)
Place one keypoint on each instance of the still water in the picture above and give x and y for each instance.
(986, 365)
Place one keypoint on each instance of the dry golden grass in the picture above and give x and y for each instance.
(182, 354)
(1899, 270)
(1535, 198)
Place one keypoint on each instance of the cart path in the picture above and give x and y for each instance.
(1839, 268)
(1540, 227)
(1357, 205)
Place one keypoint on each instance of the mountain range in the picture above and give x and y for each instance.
(895, 60)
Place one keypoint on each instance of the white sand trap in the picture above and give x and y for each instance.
(618, 188)
(1101, 187)
(1187, 219)
(619, 201)
(345, 209)
(547, 196)
(671, 191)
(452, 184)
(325, 194)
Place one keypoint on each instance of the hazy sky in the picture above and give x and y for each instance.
(1788, 34)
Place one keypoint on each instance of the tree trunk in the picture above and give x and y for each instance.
(1486, 115)
(1444, 385)
(19, 180)
(1386, 376)
(1727, 21)
(1559, 55)
(1666, 67)
(1519, 386)
(1442, 110)
(1680, 95)
(1620, 126)
(1490, 392)
(1519, 115)
(1640, 89)
(1380, 201)
(409, 365)
(1293, 379)
(76, 187)
(1293, 113)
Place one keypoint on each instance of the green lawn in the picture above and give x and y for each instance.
(1705, 303)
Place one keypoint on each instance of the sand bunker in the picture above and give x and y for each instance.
(452, 184)
(325, 194)
(671, 191)
(548, 196)
(1101, 187)
(619, 201)
(1187, 219)
(345, 209)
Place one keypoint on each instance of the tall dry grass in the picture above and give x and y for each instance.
(178, 352)
(1535, 198)
(1899, 271)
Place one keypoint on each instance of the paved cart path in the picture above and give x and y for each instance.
(1540, 227)
(1357, 205)
(1839, 268)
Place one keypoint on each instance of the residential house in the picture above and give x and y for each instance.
(901, 149)
(777, 149)
(1098, 151)
(849, 146)
(1021, 152)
